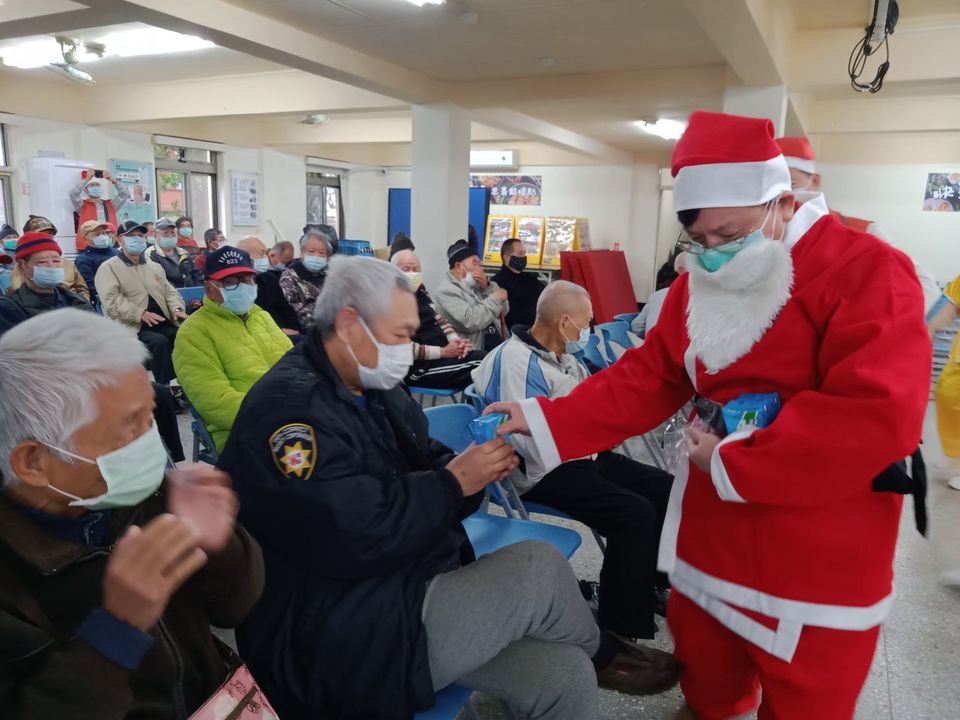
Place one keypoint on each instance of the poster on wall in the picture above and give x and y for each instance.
(499, 230)
(942, 193)
(510, 189)
(245, 198)
(137, 178)
(530, 233)
(560, 236)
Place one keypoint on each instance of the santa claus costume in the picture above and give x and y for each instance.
(781, 558)
(799, 155)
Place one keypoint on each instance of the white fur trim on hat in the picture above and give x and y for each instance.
(802, 164)
(730, 184)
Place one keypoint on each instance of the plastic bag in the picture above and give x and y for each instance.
(676, 454)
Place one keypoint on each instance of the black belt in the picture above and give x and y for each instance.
(895, 479)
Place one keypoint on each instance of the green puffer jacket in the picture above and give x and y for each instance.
(219, 356)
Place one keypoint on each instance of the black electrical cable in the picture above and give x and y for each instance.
(857, 62)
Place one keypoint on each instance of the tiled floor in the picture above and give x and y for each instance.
(916, 673)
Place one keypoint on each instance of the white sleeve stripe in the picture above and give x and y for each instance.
(718, 473)
(540, 432)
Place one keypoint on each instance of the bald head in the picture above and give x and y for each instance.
(407, 261)
(560, 299)
(253, 246)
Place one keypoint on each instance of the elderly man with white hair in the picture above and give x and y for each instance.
(109, 579)
(441, 358)
(625, 501)
(303, 278)
(374, 600)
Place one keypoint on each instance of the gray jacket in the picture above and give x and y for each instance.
(470, 310)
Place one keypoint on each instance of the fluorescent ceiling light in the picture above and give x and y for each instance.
(666, 129)
(126, 43)
(421, 3)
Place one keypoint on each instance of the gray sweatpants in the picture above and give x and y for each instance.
(514, 625)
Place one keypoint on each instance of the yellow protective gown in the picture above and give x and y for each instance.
(948, 390)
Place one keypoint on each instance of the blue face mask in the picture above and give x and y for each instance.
(47, 277)
(135, 245)
(580, 344)
(101, 241)
(168, 242)
(186, 232)
(240, 299)
(95, 192)
(314, 263)
(10, 244)
(261, 265)
(713, 259)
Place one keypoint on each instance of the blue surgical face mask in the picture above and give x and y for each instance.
(95, 192)
(168, 242)
(10, 244)
(712, 259)
(186, 232)
(101, 241)
(314, 263)
(47, 277)
(261, 265)
(240, 299)
(135, 245)
(580, 344)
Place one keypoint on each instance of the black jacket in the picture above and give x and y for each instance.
(523, 290)
(270, 298)
(355, 515)
(180, 270)
(11, 314)
(48, 587)
(33, 303)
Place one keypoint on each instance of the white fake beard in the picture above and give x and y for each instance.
(731, 309)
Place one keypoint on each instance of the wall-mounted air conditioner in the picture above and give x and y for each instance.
(494, 160)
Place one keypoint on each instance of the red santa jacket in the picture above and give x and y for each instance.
(786, 524)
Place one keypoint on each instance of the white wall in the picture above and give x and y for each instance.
(621, 203)
(283, 176)
(892, 196)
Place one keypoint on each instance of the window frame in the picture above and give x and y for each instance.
(188, 168)
(6, 177)
(318, 178)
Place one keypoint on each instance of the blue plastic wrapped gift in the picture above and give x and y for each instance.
(751, 411)
(484, 428)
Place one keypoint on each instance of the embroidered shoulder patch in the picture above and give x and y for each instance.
(294, 449)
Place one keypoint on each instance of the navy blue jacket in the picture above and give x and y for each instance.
(89, 261)
(355, 512)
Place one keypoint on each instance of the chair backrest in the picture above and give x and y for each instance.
(191, 294)
(470, 392)
(591, 354)
(615, 332)
(450, 425)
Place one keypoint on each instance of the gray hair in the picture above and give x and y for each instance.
(560, 298)
(363, 283)
(400, 256)
(320, 236)
(50, 368)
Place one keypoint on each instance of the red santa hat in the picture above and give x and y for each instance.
(798, 154)
(727, 161)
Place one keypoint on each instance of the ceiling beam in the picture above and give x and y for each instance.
(63, 22)
(239, 29)
(553, 135)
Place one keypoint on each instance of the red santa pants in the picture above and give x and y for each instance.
(722, 672)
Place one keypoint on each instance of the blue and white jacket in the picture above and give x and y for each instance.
(521, 368)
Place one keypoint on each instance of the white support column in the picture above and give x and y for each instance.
(440, 181)
(768, 101)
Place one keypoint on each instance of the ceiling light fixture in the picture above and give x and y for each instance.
(662, 128)
(313, 119)
(421, 3)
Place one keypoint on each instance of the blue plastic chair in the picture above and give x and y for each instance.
(204, 449)
(450, 425)
(450, 701)
(471, 395)
(628, 318)
(616, 332)
(191, 294)
(592, 356)
(434, 393)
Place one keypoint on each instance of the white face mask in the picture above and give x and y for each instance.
(393, 363)
(132, 473)
(415, 280)
(470, 281)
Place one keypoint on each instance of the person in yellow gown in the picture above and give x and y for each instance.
(948, 388)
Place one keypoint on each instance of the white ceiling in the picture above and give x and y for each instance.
(211, 62)
(509, 38)
(20, 9)
(820, 14)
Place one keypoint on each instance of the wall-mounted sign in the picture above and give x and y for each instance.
(137, 178)
(245, 196)
(942, 193)
(510, 189)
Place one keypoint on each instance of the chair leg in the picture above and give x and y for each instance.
(600, 541)
(196, 448)
(433, 403)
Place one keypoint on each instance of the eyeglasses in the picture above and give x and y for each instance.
(232, 283)
(695, 248)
